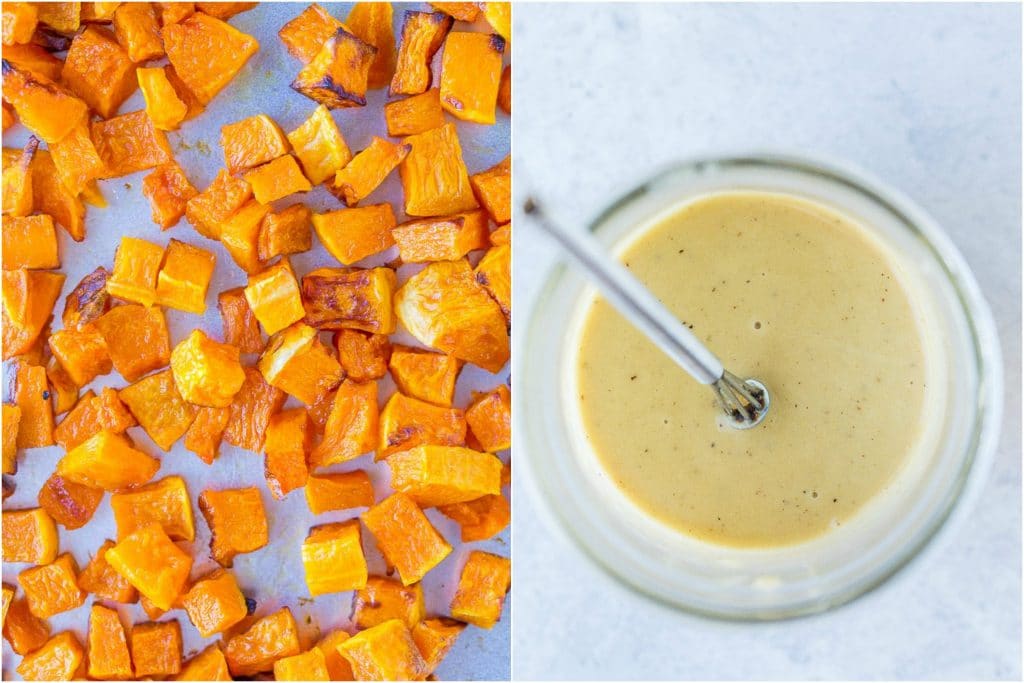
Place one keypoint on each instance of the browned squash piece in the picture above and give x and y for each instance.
(224, 10)
(422, 35)
(494, 272)
(30, 242)
(19, 21)
(207, 53)
(304, 35)
(471, 75)
(91, 415)
(208, 210)
(406, 538)
(23, 630)
(11, 418)
(46, 108)
(52, 198)
(254, 403)
(413, 115)
(18, 192)
(70, 504)
(52, 40)
(168, 191)
(505, 90)
(385, 652)
(367, 170)
(59, 658)
(362, 356)
(191, 100)
(384, 599)
(425, 375)
(102, 580)
(237, 521)
(252, 142)
(407, 422)
(215, 603)
(109, 658)
(136, 266)
(286, 232)
(241, 328)
(434, 638)
(153, 564)
(28, 299)
(341, 491)
(129, 143)
(63, 17)
(297, 363)
(159, 408)
(240, 235)
(99, 12)
(165, 502)
(350, 298)
(82, 353)
(447, 238)
(156, 649)
(463, 11)
(483, 584)
(480, 519)
(107, 461)
(138, 29)
(338, 76)
(277, 179)
(87, 301)
(351, 428)
(351, 235)
(434, 177)
(273, 637)
(184, 277)
(64, 394)
(372, 21)
(77, 160)
(493, 188)
(32, 396)
(163, 105)
(99, 71)
(204, 434)
(288, 442)
(137, 339)
(443, 475)
(35, 59)
(319, 145)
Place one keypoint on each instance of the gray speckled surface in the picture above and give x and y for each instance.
(926, 97)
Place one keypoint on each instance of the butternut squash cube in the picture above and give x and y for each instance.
(212, 207)
(406, 538)
(8, 596)
(168, 191)
(52, 588)
(383, 600)
(30, 242)
(435, 638)
(443, 306)
(137, 339)
(152, 563)
(92, 414)
(471, 75)
(274, 297)
(58, 659)
(70, 504)
(224, 10)
(254, 403)
(81, 353)
(341, 491)
(441, 239)
(273, 637)
(103, 581)
(29, 536)
(241, 328)
(47, 109)
(505, 90)
(136, 265)
(338, 76)
(288, 441)
(385, 652)
(350, 298)
(62, 17)
(28, 299)
(204, 435)
(434, 176)
(276, 179)
(237, 521)
(442, 475)
(490, 419)
(493, 189)
(23, 630)
(240, 235)
(462, 11)
(130, 143)
(337, 666)
(65, 390)
(286, 232)
(214, 603)
(207, 373)
(77, 160)
(208, 665)
(499, 16)
(494, 272)
(422, 35)
(52, 198)
(371, 22)
(413, 115)
(107, 461)
(109, 658)
(296, 362)
(163, 106)
(251, 142)
(101, 12)
(184, 277)
(308, 666)
(367, 170)
(351, 427)
(11, 418)
(332, 555)
(304, 35)
(482, 587)
(19, 22)
(159, 407)
(173, 12)
(156, 648)
(425, 375)
(207, 53)
(319, 145)
(408, 422)
(362, 356)
(18, 197)
(138, 30)
(32, 396)
(351, 235)
(87, 301)
(165, 502)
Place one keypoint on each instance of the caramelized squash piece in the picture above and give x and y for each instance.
(138, 30)
(224, 10)
(62, 17)
(136, 265)
(413, 115)
(297, 363)
(159, 407)
(207, 373)
(434, 177)
(52, 588)
(447, 238)
(58, 659)
(384, 599)
(499, 16)
(35, 59)
(77, 160)
(273, 637)
(342, 491)
(338, 668)
(425, 375)
(98, 12)
(482, 587)
(237, 521)
(308, 666)
(29, 536)
(32, 396)
(406, 538)
(332, 556)
(254, 403)
(385, 652)
(109, 658)
(207, 53)
(362, 356)
(163, 105)
(87, 301)
(107, 461)
(442, 475)
(493, 189)
(206, 431)
(277, 179)
(70, 504)
(64, 394)
(152, 563)
(434, 638)
(505, 90)
(137, 339)
(165, 502)
(241, 328)
(304, 35)
(494, 272)
(367, 170)
(338, 76)
(91, 415)
(422, 35)
(30, 242)
(319, 145)
(351, 428)
(286, 232)
(81, 353)
(289, 439)
(23, 630)
(351, 235)
(52, 198)
(252, 142)
(208, 210)
(463, 11)
(168, 191)
(130, 143)
(28, 299)
(102, 580)
(47, 109)
(208, 665)
(407, 422)
(18, 192)
(350, 298)
(10, 420)
(174, 12)
(240, 235)
(471, 75)
(184, 277)
(274, 297)
(215, 603)
(19, 20)
(156, 649)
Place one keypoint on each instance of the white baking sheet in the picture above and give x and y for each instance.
(274, 575)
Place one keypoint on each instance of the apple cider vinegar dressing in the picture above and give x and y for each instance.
(796, 295)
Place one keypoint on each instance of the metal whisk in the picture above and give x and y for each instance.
(745, 402)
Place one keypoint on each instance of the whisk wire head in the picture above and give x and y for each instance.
(745, 402)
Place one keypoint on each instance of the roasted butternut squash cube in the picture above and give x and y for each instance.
(18, 197)
(463, 11)
(442, 475)
(215, 603)
(32, 396)
(23, 630)
(207, 53)
(136, 265)
(159, 407)
(443, 306)
(384, 599)
(471, 75)
(62, 17)
(308, 666)
(406, 538)
(156, 648)
(297, 363)
(224, 10)
(58, 659)
(274, 297)
(351, 235)
(237, 521)
(251, 142)
(288, 441)
(285, 232)
(163, 105)
(319, 145)
(304, 35)
(151, 609)
(99, 12)
(137, 339)
(70, 504)
(19, 21)
(413, 115)
(493, 189)
(435, 638)
(208, 665)
(10, 420)
(103, 581)
(28, 299)
(241, 328)
(165, 502)
(206, 372)
(350, 298)
(385, 652)
(338, 668)
(362, 356)
(138, 29)
(499, 16)
(47, 109)
(250, 414)
(505, 90)
(184, 277)
(81, 353)
(173, 12)
(109, 658)
(434, 176)
(494, 272)
(29, 536)
(422, 35)
(351, 427)
(408, 422)
(77, 160)
(276, 179)
(332, 555)
(168, 191)
(87, 301)
(52, 198)
(206, 431)
(151, 562)
(130, 143)
(490, 419)
(446, 238)
(367, 170)
(425, 375)
(107, 461)
(52, 588)
(212, 207)
(271, 638)
(240, 235)
(372, 23)
(8, 596)
(341, 491)
(65, 389)
(92, 414)
(482, 587)
(338, 76)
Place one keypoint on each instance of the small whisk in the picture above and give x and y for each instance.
(744, 402)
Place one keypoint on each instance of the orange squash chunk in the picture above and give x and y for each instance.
(107, 461)
(494, 272)
(482, 587)
(77, 160)
(499, 16)
(471, 75)
(214, 603)
(109, 658)
(362, 356)
(385, 652)
(47, 109)
(19, 21)
(81, 353)
(274, 297)
(62, 17)
(304, 35)
(434, 638)
(416, 114)
(184, 277)
(129, 143)
(308, 666)
(159, 408)
(23, 630)
(217, 203)
(332, 556)
(493, 189)
(165, 502)
(241, 328)
(338, 76)
(289, 439)
(237, 521)
(163, 105)
(319, 145)
(136, 265)
(480, 519)
(490, 419)
(341, 491)
(34, 59)
(91, 415)
(58, 659)
(351, 235)
(276, 179)
(99, 12)
(52, 198)
(18, 197)
(207, 53)
(8, 596)
(408, 422)
(371, 22)
(422, 35)
(224, 10)
(70, 504)
(286, 232)
(367, 170)
(29, 536)
(208, 665)
(65, 390)
(206, 431)
(137, 339)
(28, 299)
(338, 668)
(254, 403)
(442, 475)
(168, 191)
(351, 428)
(138, 30)
(173, 12)
(383, 600)
(505, 90)
(434, 177)
(443, 306)
(425, 375)
(297, 363)
(152, 563)
(156, 649)
(88, 300)
(32, 396)
(273, 637)
(207, 373)
(52, 588)
(10, 420)
(102, 580)
(406, 538)
(441, 239)
(463, 11)
(240, 235)
(252, 142)
(30, 242)
(99, 71)
(350, 298)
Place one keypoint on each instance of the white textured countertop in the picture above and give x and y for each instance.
(924, 97)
